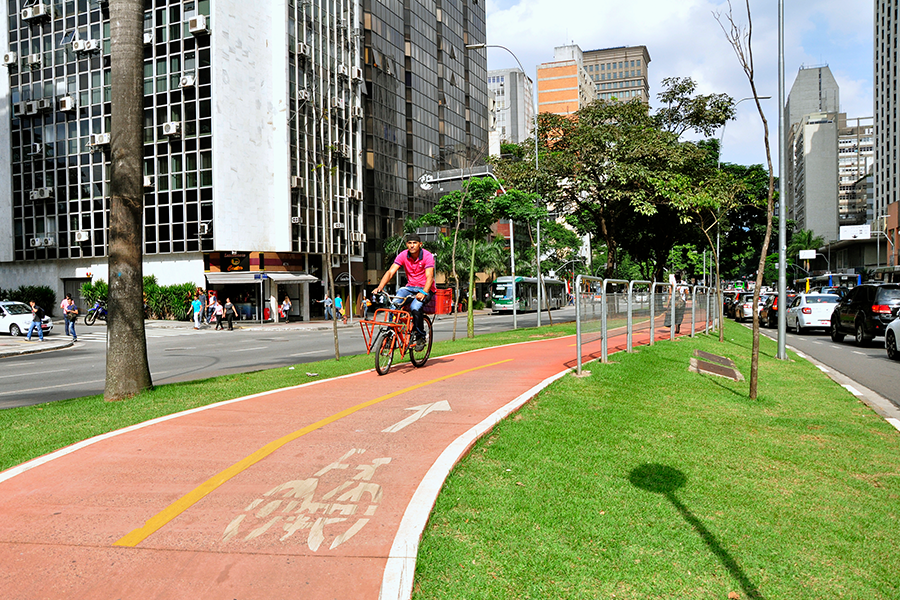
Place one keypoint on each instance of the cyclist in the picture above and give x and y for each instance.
(419, 266)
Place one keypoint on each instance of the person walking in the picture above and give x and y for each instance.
(230, 313)
(286, 309)
(37, 318)
(328, 304)
(218, 312)
(70, 313)
(62, 307)
(339, 309)
(197, 307)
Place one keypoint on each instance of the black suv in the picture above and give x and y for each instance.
(865, 312)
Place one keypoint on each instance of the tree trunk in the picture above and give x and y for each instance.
(470, 314)
(127, 369)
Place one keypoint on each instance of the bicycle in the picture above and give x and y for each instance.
(389, 330)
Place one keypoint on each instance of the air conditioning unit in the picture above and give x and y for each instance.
(337, 225)
(36, 11)
(296, 182)
(303, 94)
(148, 38)
(359, 196)
(50, 240)
(10, 58)
(337, 102)
(36, 242)
(41, 193)
(92, 45)
(357, 236)
(148, 181)
(357, 112)
(78, 45)
(172, 128)
(197, 25)
(27, 13)
(345, 150)
(31, 108)
(343, 71)
(186, 81)
(67, 103)
(204, 228)
(37, 149)
(303, 49)
(82, 236)
(357, 73)
(99, 139)
(295, 220)
(34, 61)
(44, 104)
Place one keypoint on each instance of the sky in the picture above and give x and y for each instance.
(684, 39)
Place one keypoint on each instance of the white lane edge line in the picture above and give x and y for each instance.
(894, 422)
(823, 368)
(397, 581)
(249, 349)
(852, 389)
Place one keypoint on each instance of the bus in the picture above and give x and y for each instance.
(526, 293)
(828, 280)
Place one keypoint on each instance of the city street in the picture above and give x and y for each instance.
(182, 354)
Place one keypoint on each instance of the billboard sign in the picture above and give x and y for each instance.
(855, 232)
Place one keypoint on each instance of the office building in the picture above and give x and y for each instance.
(619, 74)
(887, 88)
(512, 92)
(855, 160)
(258, 156)
(563, 84)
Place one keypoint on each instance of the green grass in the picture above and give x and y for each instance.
(644, 480)
(33, 431)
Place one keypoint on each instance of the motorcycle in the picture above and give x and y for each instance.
(98, 312)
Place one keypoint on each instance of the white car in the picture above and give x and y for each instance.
(811, 311)
(891, 337)
(15, 319)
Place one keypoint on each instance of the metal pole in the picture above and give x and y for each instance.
(512, 267)
(577, 291)
(782, 209)
(349, 270)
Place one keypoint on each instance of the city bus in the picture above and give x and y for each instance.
(526, 293)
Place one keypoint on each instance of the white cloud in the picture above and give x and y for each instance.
(684, 40)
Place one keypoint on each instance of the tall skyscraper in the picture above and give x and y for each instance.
(619, 74)
(257, 155)
(887, 87)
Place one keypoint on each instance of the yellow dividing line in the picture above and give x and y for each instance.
(162, 518)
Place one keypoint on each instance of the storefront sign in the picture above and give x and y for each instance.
(236, 262)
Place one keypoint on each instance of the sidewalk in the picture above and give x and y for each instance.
(317, 491)
(57, 339)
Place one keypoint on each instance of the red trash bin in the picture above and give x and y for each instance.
(266, 314)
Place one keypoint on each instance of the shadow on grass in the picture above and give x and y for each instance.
(661, 479)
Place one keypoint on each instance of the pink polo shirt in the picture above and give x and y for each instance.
(415, 269)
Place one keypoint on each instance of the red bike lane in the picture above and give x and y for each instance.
(317, 491)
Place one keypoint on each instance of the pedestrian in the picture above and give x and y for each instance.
(62, 307)
(364, 304)
(218, 312)
(286, 309)
(197, 307)
(37, 318)
(675, 303)
(211, 306)
(339, 309)
(71, 315)
(328, 304)
(230, 313)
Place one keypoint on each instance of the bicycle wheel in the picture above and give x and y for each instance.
(384, 352)
(418, 358)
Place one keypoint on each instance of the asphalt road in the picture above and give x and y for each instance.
(869, 364)
(177, 355)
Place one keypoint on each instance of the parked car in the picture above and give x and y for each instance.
(768, 316)
(865, 312)
(891, 336)
(15, 319)
(811, 311)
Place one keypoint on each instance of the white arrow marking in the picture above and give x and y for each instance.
(421, 411)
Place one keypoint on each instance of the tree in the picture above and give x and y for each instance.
(740, 39)
(684, 111)
(127, 369)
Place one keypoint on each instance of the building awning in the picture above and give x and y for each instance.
(233, 277)
(291, 277)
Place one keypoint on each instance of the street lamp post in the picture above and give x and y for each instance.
(538, 241)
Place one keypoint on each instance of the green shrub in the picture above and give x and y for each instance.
(93, 292)
(42, 295)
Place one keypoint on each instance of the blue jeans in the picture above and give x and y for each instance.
(415, 306)
(35, 325)
(66, 321)
(70, 328)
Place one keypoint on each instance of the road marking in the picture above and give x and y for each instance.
(894, 422)
(307, 353)
(249, 349)
(421, 411)
(822, 368)
(42, 373)
(852, 390)
(53, 387)
(162, 518)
